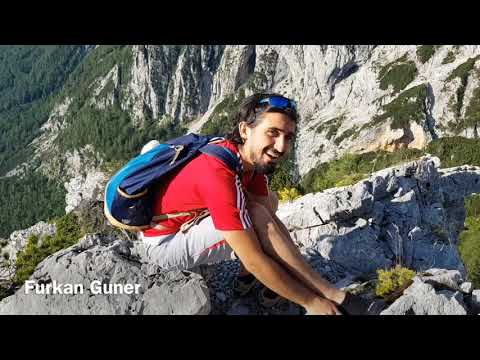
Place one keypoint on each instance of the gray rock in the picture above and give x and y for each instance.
(221, 296)
(18, 239)
(475, 301)
(466, 287)
(443, 278)
(421, 299)
(108, 261)
(239, 309)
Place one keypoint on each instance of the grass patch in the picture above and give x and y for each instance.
(425, 52)
(455, 151)
(351, 168)
(397, 74)
(393, 281)
(461, 72)
(469, 244)
(346, 134)
(67, 234)
(221, 120)
(330, 126)
(449, 58)
(407, 107)
(288, 194)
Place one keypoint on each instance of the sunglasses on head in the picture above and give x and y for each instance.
(279, 102)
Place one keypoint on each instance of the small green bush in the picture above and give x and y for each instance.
(455, 151)
(425, 52)
(221, 120)
(67, 234)
(352, 168)
(449, 58)
(407, 107)
(390, 281)
(288, 194)
(397, 74)
(469, 247)
(331, 126)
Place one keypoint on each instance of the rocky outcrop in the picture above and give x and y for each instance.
(339, 90)
(18, 239)
(92, 267)
(84, 188)
(410, 214)
(435, 292)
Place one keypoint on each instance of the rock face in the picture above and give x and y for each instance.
(18, 239)
(84, 187)
(435, 292)
(108, 260)
(409, 214)
(344, 93)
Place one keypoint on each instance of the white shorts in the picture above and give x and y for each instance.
(201, 244)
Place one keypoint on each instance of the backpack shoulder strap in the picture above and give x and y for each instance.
(223, 154)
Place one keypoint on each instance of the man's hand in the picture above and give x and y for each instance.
(320, 306)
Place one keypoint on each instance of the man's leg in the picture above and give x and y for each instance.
(276, 242)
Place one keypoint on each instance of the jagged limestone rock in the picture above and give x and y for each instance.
(108, 260)
(396, 215)
(422, 299)
(18, 239)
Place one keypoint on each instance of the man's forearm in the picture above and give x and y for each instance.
(275, 277)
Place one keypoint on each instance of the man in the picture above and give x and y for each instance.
(222, 215)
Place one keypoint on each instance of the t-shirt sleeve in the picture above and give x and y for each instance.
(258, 185)
(221, 190)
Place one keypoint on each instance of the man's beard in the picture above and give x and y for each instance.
(266, 169)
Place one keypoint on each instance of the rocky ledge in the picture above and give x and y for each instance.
(410, 214)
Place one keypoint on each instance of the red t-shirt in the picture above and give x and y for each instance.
(207, 183)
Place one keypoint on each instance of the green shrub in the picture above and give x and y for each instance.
(398, 74)
(449, 58)
(462, 72)
(352, 168)
(469, 248)
(331, 126)
(288, 194)
(472, 113)
(346, 134)
(407, 107)
(18, 195)
(67, 234)
(425, 52)
(284, 177)
(221, 121)
(393, 280)
(455, 151)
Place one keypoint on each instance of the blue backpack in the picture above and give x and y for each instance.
(129, 194)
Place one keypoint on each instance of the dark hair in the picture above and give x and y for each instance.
(250, 111)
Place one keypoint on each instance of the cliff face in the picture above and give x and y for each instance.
(355, 98)
(351, 98)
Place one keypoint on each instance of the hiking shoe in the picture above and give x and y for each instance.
(243, 284)
(354, 305)
(269, 298)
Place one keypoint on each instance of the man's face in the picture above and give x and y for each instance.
(268, 142)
